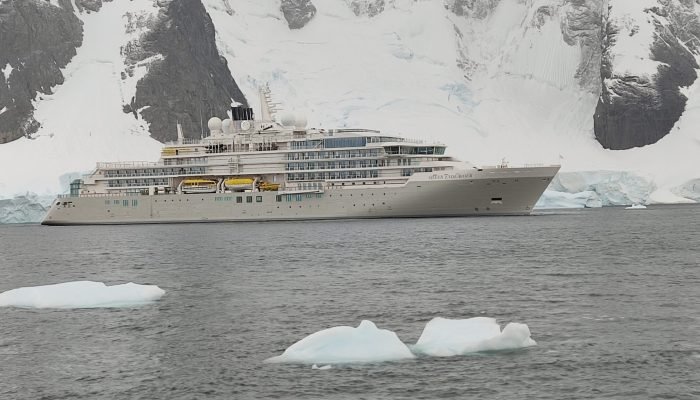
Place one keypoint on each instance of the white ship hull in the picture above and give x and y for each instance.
(502, 191)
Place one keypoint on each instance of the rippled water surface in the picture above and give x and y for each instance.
(612, 297)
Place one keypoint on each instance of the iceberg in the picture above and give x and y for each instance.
(612, 188)
(81, 294)
(594, 189)
(345, 344)
(444, 337)
(552, 199)
(24, 208)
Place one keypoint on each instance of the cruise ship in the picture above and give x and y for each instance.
(270, 169)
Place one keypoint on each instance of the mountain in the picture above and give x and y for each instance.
(608, 89)
(650, 53)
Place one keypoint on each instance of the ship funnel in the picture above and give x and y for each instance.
(240, 113)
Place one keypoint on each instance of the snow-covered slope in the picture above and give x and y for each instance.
(509, 83)
(494, 79)
(82, 122)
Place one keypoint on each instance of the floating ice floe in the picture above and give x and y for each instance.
(443, 337)
(81, 294)
(345, 344)
(636, 207)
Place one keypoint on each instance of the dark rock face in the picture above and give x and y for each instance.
(635, 111)
(37, 39)
(370, 8)
(298, 13)
(89, 5)
(191, 82)
(475, 8)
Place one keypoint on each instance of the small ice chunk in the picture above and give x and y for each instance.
(636, 207)
(450, 337)
(345, 344)
(7, 71)
(80, 294)
(323, 367)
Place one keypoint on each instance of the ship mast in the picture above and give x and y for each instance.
(267, 107)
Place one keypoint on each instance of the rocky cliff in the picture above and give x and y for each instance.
(638, 55)
(189, 80)
(298, 13)
(641, 99)
(37, 39)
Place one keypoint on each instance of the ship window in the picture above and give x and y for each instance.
(249, 199)
(298, 197)
(258, 199)
(134, 203)
(125, 203)
(239, 199)
(278, 198)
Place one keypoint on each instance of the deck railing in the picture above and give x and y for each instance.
(126, 164)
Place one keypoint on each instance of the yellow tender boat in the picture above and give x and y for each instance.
(239, 183)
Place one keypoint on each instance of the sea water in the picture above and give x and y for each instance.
(611, 297)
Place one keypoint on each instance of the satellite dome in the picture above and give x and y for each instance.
(300, 121)
(226, 125)
(287, 119)
(214, 124)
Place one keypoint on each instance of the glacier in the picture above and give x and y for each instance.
(81, 294)
(24, 208)
(513, 80)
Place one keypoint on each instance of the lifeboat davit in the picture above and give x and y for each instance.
(198, 186)
(269, 187)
